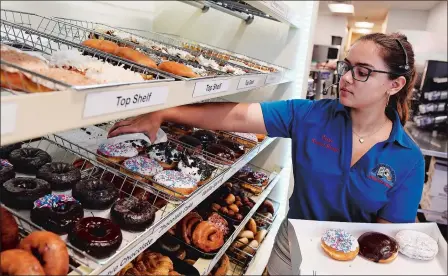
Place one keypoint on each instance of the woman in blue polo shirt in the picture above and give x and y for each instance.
(352, 159)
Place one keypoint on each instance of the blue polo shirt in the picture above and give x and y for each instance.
(386, 182)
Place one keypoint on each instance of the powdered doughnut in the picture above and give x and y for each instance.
(417, 245)
(340, 245)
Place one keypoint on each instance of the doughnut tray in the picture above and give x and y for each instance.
(133, 242)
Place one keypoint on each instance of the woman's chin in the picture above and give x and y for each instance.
(345, 101)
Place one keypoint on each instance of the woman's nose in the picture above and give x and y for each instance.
(347, 77)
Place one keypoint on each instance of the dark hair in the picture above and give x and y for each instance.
(393, 55)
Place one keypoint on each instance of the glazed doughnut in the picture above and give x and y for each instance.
(9, 230)
(50, 248)
(102, 45)
(133, 214)
(166, 155)
(267, 206)
(28, 160)
(115, 153)
(219, 222)
(223, 266)
(141, 168)
(417, 245)
(260, 235)
(20, 262)
(251, 226)
(21, 192)
(340, 245)
(207, 237)
(98, 236)
(177, 69)
(96, 194)
(56, 213)
(20, 82)
(246, 234)
(136, 56)
(6, 171)
(187, 225)
(175, 183)
(61, 176)
(378, 247)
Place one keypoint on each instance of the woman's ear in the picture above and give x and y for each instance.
(396, 85)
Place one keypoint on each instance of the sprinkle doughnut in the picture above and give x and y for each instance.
(417, 245)
(219, 222)
(20, 262)
(50, 248)
(140, 167)
(6, 171)
(61, 176)
(28, 160)
(339, 244)
(167, 156)
(207, 237)
(21, 192)
(116, 153)
(9, 230)
(187, 224)
(178, 183)
(133, 214)
(57, 213)
(96, 194)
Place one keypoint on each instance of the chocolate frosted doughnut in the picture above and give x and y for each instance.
(61, 176)
(191, 141)
(133, 214)
(97, 236)
(221, 151)
(28, 160)
(95, 194)
(21, 192)
(6, 171)
(238, 148)
(56, 213)
(205, 136)
(5, 151)
(377, 247)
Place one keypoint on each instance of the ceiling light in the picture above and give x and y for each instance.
(341, 8)
(364, 24)
(362, 31)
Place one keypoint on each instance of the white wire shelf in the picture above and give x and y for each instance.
(278, 10)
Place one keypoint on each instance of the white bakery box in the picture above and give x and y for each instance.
(308, 257)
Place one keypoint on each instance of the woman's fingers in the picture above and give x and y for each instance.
(120, 124)
(124, 130)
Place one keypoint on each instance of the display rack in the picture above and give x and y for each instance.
(277, 9)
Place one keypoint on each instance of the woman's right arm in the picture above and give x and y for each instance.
(238, 117)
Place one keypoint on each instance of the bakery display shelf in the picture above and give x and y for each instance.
(168, 46)
(278, 10)
(429, 144)
(205, 266)
(133, 242)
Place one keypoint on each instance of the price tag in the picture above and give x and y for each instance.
(249, 82)
(109, 102)
(274, 78)
(8, 117)
(128, 257)
(210, 87)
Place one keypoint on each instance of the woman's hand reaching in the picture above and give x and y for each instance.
(148, 124)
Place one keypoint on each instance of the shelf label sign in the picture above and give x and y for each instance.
(249, 82)
(8, 117)
(203, 88)
(274, 78)
(109, 102)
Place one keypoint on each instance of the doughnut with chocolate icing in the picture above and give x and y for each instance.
(378, 247)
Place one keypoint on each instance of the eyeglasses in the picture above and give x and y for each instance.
(359, 72)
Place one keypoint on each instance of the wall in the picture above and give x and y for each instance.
(437, 27)
(406, 20)
(328, 25)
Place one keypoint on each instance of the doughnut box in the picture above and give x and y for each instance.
(310, 259)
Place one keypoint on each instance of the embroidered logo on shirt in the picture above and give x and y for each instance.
(383, 174)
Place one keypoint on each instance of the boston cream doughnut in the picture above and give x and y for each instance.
(340, 245)
(417, 245)
(378, 247)
(177, 69)
(136, 57)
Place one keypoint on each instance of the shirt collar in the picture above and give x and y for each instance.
(397, 134)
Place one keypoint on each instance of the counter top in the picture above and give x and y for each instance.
(430, 145)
